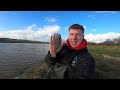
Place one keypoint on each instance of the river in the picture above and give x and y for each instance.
(15, 58)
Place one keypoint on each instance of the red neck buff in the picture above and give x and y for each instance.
(80, 46)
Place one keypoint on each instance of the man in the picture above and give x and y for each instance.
(70, 60)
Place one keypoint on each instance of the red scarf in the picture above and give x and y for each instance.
(80, 46)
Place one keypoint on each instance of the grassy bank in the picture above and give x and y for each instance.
(107, 60)
(36, 72)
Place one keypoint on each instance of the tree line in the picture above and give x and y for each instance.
(113, 42)
(8, 40)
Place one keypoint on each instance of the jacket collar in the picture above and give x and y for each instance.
(80, 46)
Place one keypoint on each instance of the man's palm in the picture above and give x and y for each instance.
(55, 43)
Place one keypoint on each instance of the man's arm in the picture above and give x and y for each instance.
(49, 60)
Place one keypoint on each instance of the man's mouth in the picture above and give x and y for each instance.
(74, 42)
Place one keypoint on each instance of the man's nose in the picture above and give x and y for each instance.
(74, 36)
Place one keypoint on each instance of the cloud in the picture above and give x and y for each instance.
(40, 34)
(112, 12)
(30, 27)
(85, 27)
(92, 16)
(2, 35)
(94, 30)
(101, 37)
(51, 20)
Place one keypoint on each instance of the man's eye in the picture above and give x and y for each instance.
(79, 34)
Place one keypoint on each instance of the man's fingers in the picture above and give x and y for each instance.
(50, 45)
(54, 35)
(51, 38)
(62, 43)
(60, 46)
(59, 36)
(55, 42)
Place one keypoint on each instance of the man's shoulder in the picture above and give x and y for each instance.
(85, 56)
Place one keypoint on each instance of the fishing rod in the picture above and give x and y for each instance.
(45, 77)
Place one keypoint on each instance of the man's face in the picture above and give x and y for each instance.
(75, 37)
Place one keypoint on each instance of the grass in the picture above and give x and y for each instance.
(36, 72)
(113, 51)
(107, 60)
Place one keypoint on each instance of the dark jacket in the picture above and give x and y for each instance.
(84, 66)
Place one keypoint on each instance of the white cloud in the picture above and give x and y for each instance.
(94, 30)
(29, 34)
(1, 35)
(112, 12)
(92, 16)
(51, 20)
(101, 37)
(30, 27)
(84, 27)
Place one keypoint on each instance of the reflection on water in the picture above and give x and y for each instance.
(15, 58)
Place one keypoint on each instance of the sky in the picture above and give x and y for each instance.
(40, 25)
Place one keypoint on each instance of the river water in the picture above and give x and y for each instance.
(15, 58)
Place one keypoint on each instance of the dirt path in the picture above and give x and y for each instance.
(110, 57)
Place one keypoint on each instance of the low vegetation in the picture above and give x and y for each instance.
(107, 60)
(8, 40)
(36, 72)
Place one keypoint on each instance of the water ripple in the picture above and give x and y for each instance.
(15, 58)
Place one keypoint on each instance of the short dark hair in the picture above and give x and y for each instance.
(77, 26)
